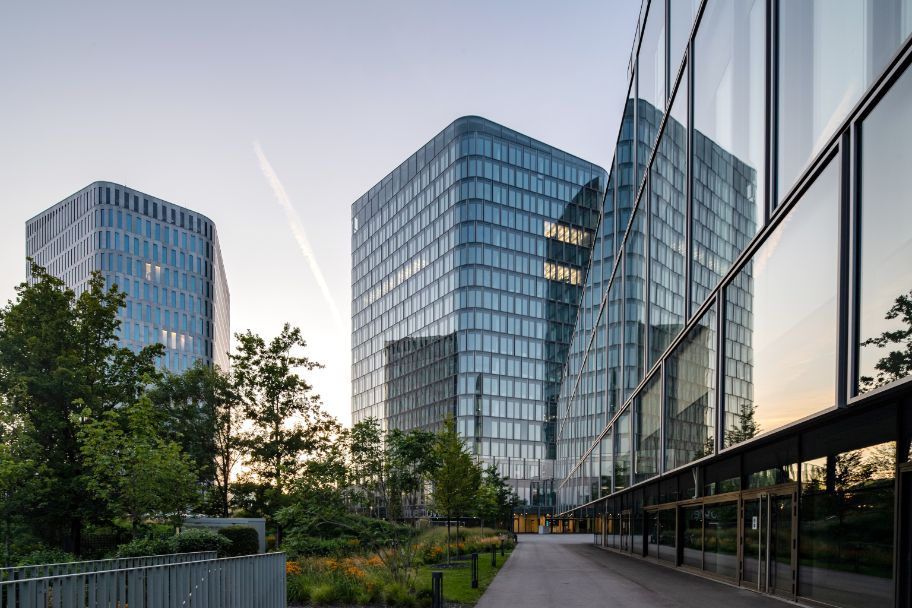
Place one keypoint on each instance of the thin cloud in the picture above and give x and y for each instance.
(297, 229)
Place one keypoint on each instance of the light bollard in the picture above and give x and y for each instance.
(436, 589)
(475, 571)
(493, 556)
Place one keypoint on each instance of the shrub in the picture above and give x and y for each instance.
(244, 540)
(324, 593)
(46, 555)
(395, 594)
(140, 547)
(307, 546)
(298, 589)
(201, 539)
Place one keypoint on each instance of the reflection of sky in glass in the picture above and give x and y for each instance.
(886, 217)
(794, 309)
(830, 51)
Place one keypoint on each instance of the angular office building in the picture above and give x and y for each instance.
(737, 399)
(468, 263)
(165, 257)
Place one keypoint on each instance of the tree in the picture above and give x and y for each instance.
(456, 478)
(897, 363)
(203, 414)
(287, 423)
(21, 475)
(131, 468)
(496, 499)
(410, 460)
(58, 355)
(366, 454)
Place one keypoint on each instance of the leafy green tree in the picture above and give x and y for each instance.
(21, 475)
(204, 415)
(58, 355)
(131, 468)
(456, 478)
(410, 460)
(496, 499)
(368, 466)
(286, 421)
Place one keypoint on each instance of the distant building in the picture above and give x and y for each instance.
(468, 262)
(165, 257)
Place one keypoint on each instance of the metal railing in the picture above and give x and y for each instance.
(44, 570)
(251, 581)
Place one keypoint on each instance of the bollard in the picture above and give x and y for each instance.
(436, 589)
(474, 571)
(493, 556)
(501, 547)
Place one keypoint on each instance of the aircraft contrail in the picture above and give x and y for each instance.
(297, 229)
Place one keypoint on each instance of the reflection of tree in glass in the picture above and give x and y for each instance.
(747, 426)
(898, 363)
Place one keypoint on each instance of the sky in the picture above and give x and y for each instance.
(272, 117)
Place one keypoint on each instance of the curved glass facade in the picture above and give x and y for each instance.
(468, 264)
(165, 257)
(737, 398)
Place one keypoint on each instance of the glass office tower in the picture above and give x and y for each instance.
(165, 257)
(468, 263)
(737, 399)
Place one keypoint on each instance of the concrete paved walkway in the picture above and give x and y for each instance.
(568, 571)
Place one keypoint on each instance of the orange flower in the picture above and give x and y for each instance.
(292, 568)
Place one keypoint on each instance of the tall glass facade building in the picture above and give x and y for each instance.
(737, 399)
(165, 257)
(468, 263)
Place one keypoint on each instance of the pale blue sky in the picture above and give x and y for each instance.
(170, 97)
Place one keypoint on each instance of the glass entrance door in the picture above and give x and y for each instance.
(767, 547)
(626, 539)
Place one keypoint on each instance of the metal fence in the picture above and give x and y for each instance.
(45, 570)
(252, 581)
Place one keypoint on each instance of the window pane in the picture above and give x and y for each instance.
(615, 304)
(648, 416)
(606, 468)
(692, 521)
(780, 342)
(720, 534)
(729, 142)
(634, 302)
(666, 224)
(622, 451)
(682, 16)
(650, 84)
(829, 52)
(690, 385)
(846, 528)
(886, 239)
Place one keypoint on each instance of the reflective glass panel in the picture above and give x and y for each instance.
(885, 310)
(667, 534)
(780, 341)
(615, 343)
(651, 84)
(681, 18)
(634, 302)
(729, 142)
(622, 451)
(829, 52)
(690, 388)
(692, 520)
(720, 535)
(667, 187)
(647, 422)
(846, 528)
(606, 467)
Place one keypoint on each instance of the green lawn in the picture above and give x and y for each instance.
(457, 582)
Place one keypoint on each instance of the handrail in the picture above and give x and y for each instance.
(251, 581)
(117, 563)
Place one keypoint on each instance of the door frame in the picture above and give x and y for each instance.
(787, 489)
